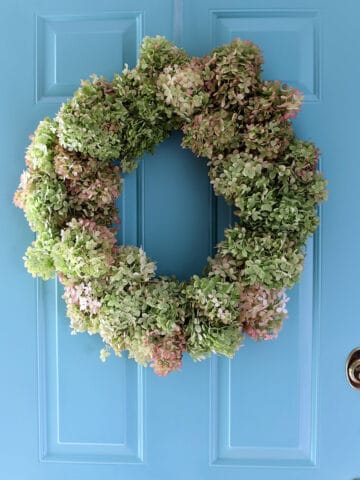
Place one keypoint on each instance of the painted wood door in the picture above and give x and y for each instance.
(281, 410)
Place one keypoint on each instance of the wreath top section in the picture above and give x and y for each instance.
(209, 98)
(228, 114)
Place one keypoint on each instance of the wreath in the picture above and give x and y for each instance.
(243, 126)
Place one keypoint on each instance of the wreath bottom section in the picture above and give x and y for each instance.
(157, 319)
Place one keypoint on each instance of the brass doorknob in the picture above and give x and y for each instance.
(353, 368)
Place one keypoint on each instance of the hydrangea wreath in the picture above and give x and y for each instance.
(227, 114)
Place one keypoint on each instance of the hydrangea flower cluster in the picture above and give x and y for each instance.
(243, 126)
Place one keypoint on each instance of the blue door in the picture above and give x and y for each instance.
(281, 410)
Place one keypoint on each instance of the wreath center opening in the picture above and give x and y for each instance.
(175, 209)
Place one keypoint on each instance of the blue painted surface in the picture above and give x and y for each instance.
(280, 410)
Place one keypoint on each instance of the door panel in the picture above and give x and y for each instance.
(70, 47)
(280, 409)
(264, 407)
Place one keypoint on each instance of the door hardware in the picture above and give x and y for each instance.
(353, 368)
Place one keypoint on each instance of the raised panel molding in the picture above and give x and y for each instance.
(289, 34)
(300, 450)
(77, 423)
(84, 415)
(72, 47)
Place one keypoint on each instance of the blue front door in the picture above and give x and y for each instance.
(280, 410)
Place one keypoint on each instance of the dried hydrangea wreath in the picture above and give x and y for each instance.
(227, 114)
